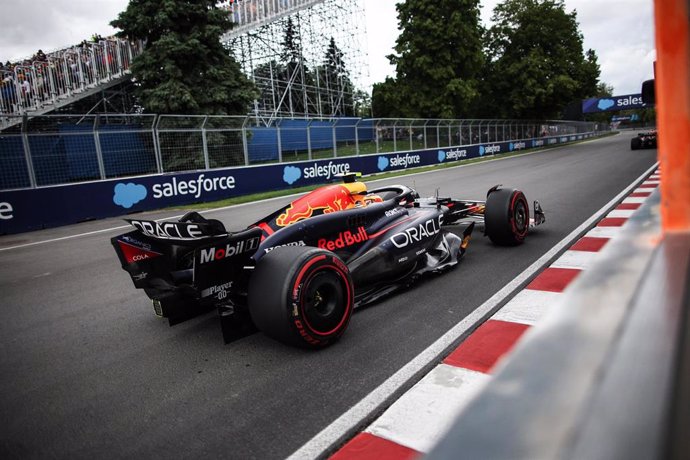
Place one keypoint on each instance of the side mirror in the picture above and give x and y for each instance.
(648, 93)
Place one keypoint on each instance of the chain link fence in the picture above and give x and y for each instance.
(62, 149)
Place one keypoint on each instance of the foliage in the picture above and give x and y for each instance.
(334, 82)
(604, 90)
(184, 68)
(438, 59)
(386, 99)
(328, 85)
(362, 104)
(536, 64)
(292, 68)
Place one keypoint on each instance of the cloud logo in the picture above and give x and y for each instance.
(291, 174)
(481, 150)
(127, 195)
(441, 156)
(383, 163)
(511, 146)
(605, 104)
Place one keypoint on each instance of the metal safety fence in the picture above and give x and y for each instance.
(62, 149)
(33, 85)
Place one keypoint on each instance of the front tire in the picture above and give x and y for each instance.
(506, 217)
(301, 296)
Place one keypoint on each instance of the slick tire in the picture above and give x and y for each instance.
(506, 217)
(635, 143)
(301, 296)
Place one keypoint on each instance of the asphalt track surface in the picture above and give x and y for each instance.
(86, 369)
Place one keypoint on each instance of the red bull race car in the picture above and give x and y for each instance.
(298, 274)
(646, 140)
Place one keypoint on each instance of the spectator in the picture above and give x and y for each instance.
(25, 89)
(40, 56)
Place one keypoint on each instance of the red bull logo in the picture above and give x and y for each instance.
(344, 239)
(325, 200)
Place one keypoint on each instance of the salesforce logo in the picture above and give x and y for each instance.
(291, 174)
(605, 104)
(451, 155)
(405, 161)
(399, 161)
(127, 195)
(383, 163)
(489, 150)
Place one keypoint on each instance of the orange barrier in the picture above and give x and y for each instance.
(673, 111)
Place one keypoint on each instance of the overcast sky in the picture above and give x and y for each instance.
(620, 31)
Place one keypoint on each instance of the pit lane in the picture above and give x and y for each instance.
(87, 369)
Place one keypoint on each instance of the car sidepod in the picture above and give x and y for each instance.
(413, 244)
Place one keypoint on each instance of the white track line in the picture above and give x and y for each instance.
(105, 230)
(344, 426)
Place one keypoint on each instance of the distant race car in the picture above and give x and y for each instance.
(645, 140)
(297, 274)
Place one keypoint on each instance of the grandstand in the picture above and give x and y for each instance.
(60, 78)
(317, 76)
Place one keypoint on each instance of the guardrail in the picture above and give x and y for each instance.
(63, 149)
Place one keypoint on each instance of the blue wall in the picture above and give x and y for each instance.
(263, 142)
(70, 155)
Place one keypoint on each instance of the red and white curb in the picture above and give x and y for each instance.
(413, 424)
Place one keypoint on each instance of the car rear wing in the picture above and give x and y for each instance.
(194, 258)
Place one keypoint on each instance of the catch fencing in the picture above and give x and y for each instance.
(64, 149)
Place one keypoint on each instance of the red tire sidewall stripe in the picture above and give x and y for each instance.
(296, 293)
(517, 196)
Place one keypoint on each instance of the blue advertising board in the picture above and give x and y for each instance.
(44, 207)
(613, 103)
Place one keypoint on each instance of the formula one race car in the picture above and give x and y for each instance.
(297, 274)
(643, 141)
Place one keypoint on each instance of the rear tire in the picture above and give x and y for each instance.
(506, 217)
(301, 296)
(635, 143)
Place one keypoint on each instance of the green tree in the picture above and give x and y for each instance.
(604, 90)
(184, 67)
(294, 73)
(438, 59)
(267, 78)
(335, 84)
(386, 99)
(362, 104)
(536, 64)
